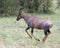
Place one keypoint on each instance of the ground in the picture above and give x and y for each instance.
(12, 34)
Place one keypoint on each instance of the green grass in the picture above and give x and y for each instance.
(12, 35)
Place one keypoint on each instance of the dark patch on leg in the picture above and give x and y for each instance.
(48, 31)
(45, 31)
(32, 30)
(27, 28)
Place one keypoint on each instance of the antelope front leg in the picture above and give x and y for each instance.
(33, 35)
(27, 32)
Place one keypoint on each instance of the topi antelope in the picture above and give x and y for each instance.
(34, 22)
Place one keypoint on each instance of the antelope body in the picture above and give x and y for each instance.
(34, 22)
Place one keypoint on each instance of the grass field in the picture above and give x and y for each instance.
(12, 35)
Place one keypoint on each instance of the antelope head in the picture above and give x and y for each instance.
(19, 14)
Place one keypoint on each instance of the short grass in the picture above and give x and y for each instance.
(12, 34)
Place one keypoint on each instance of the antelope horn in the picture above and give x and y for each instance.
(21, 8)
(26, 6)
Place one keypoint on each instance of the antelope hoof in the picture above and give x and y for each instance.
(38, 40)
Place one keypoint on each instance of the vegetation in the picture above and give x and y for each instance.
(12, 6)
(58, 3)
